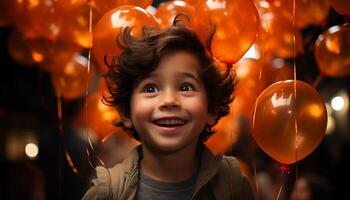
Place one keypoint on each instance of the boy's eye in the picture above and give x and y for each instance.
(151, 89)
(186, 87)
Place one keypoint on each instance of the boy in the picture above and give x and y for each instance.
(169, 95)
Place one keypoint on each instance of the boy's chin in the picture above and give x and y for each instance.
(168, 148)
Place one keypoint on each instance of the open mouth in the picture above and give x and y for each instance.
(170, 122)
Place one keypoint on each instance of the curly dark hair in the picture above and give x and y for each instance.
(141, 55)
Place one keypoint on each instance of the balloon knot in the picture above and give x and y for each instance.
(284, 168)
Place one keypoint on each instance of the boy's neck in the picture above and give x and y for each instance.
(174, 167)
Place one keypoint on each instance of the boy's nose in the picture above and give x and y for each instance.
(169, 100)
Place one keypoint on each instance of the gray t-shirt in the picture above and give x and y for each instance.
(149, 188)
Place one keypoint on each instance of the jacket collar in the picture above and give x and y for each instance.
(209, 166)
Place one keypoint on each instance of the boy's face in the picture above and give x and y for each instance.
(169, 107)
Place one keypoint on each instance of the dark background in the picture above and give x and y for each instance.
(28, 103)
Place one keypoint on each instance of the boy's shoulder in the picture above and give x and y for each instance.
(113, 181)
(232, 175)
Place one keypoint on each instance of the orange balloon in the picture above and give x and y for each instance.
(225, 134)
(251, 82)
(100, 117)
(307, 12)
(71, 82)
(107, 29)
(167, 11)
(191, 2)
(278, 70)
(341, 6)
(40, 18)
(70, 4)
(289, 127)
(276, 34)
(76, 26)
(19, 49)
(236, 24)
(104, 6)
(52, 56)
(332, 51)
(248, 87)
(4, 18)
(311, 12)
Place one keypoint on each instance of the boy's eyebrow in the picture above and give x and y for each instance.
(179, 74)
(185, 74)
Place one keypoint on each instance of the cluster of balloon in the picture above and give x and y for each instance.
(284, 118)
(332, 51)
(235, 30)
(111, 24)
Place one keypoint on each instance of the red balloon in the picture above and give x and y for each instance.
(107, 29)
(236, 25)
(289, 124)
(332, 51)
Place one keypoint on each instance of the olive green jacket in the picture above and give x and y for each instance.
(219, 178)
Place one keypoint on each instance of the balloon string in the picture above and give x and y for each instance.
(284, 170)
(60, 128)
(86, 102)
(296, 178)
(254, 162)
(280, 190)
(295, 88)
(255, 179)
(264, 44)
(317, 81)
(294, 48)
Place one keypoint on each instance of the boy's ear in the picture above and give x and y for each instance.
(211, 119)
(127, 122)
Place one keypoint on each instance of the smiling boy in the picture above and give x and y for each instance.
(169, 95)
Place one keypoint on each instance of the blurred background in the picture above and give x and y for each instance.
(55, 129)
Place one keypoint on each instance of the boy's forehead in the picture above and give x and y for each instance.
(175, 75)
(179, 64)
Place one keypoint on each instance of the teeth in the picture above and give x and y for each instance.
(170, 122)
